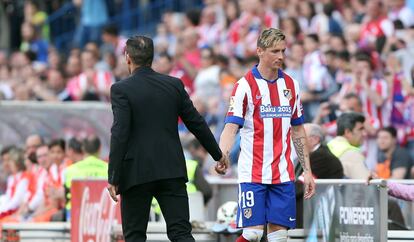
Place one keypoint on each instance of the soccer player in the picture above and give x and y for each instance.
(265, 105)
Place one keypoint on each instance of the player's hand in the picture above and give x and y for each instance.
(222, 165)
(309, 184)
(113, 190)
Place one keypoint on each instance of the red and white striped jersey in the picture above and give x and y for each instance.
(265, 111)
(378, 116)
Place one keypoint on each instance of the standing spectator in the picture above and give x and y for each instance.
(32, 42)
(394, 161)
(350, 131)
(91, 84)
(376, 27)
(318, 84)
(374, 96)
(38, 18)
(94, 15)
(114, 41)
(54, 89)
(266, 106)
(207, 81)
(398, 10)
(209, 30)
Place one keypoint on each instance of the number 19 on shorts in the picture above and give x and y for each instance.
(247, 199)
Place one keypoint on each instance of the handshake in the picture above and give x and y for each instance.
(222, 164)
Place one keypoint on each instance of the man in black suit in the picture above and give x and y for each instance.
(146, 159)
(324, 165)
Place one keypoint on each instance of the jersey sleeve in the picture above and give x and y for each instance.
(297, 115)
(237, 105)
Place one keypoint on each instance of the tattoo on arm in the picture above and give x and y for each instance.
(300, 150)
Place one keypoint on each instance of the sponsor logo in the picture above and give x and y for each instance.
(287, 93)
(96, 217)
(292, 219)
(356, 215)
(247, 213)
(268, 111)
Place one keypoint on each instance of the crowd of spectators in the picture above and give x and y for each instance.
(347, 55)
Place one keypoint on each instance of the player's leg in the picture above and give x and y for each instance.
(173, 200)
(251, 211)
(280, 211)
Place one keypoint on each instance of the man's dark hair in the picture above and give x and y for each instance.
(362, 56)
(347, 121)
(165, 55)
(91, 145)
(391, 130)
(141, 50)
(6, 149)
(75, 145)
(111, 29)
(314, 37)
(353, 95)
(194, 16)
(58, 142)
(343, 55)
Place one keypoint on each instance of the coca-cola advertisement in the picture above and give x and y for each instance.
(93, 212)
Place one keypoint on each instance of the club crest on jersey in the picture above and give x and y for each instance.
(247, 213)
(287, 93)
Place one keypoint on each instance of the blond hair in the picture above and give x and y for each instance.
(269, 37)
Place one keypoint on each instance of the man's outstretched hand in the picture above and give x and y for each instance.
(222, 165)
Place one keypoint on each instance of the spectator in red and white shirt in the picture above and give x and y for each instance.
(91, 84)
(375, 26)
(209, 30)
(17, 184)
(374, 96)
(397, 10)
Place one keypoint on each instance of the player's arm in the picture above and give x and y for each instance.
(301, 147)
(227, 137)
(300, 143)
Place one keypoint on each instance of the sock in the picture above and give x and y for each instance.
(241, 239)
(277, 236)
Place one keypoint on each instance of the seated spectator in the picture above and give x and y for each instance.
(74, 151)
(5, 167)
(350, 131)
(33, 141)
(395, 161)
(324, 165)
(17, 184)
(197, 181)
(90, 166)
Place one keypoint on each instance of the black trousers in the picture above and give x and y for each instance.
(172, 197)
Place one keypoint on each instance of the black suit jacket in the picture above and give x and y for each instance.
(145, 144)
